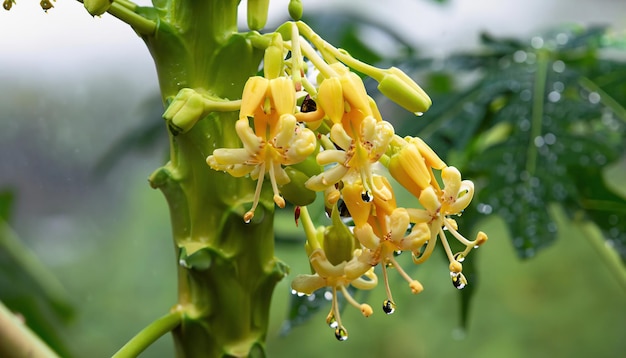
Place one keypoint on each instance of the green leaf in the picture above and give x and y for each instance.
(560, 101)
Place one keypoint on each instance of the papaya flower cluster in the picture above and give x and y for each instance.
(309, 126)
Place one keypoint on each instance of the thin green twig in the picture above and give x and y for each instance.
(150, 334)
(139, 23)
(608, 255)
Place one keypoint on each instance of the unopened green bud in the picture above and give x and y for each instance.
(339, 242)
(97, 7)
(257, 13)
(273, 57)
(295, 9)
(401, 89)
(295, 192)
(184, 111)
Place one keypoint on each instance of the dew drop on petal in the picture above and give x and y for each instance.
(419, 114)
(459, 257)
(366, 196)
(389, 307)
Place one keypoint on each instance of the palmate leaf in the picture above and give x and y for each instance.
(542, 123)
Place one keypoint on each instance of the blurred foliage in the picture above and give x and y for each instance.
(28, 288)
(539, 123)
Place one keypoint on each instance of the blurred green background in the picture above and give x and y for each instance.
(84, 210)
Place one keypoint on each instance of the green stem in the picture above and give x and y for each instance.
(605, 98)
(139, 23)
(539, 92)
(150, 334)
(26, 260)
(608, 255)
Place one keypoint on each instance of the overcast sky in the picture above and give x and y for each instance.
(67, 36)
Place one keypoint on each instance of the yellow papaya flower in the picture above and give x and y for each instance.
(354, 157)
(439, 204)
(274, 139)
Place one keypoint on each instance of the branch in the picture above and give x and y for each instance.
(17, 340)
(150, 334)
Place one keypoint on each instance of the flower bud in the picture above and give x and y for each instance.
(273, 57)
(330, 99)
(295, 192)
(254, 94)
(97, 7)
(401, 89)
(184, 111)
(409, 168)
(257, 14)
(295, 9)
(339, 243)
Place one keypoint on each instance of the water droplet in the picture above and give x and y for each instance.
(525, 95)
(558, 86)
(459, 257)
(397, 253)
(419, 114)
(331, 321)
(524, 125)
(536, 42)
(311, 297)
(558, 66)
(341, 334)
(484, 208)
(389, 307)
(539, 141)
(458, 280)
(594, 98)
(554, 96)
(549, 138)
(183, 263)
(562, 38)
(520, 56)
(366, 196)
(328, 295)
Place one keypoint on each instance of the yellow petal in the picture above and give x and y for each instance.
(330, 99)
(253, 97)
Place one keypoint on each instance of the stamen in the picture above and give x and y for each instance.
(365, 309)
(446, 246)
(277, 198)
(388, 305)
(415, 286)
(429, 249)
(257, 194)
(456, 234)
